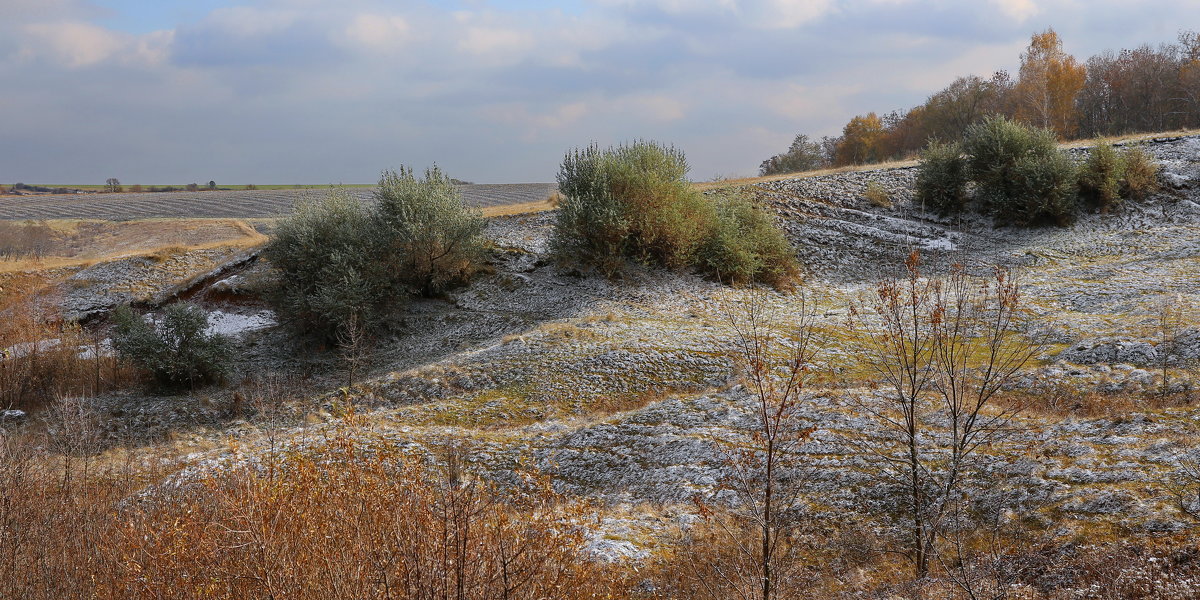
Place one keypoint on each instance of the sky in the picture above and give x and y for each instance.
(322, 92)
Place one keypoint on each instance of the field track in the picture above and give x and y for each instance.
(237, 204)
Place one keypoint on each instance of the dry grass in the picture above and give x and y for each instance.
(43, 245)
(339, 521)
(1129, 137)
(743, 181)
(524, 208)
(43, 359)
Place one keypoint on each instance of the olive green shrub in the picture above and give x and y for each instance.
(634, 202)
(343, 262)
(1100, 177)
(1109, 177)
(942, 178)
(1140, 174)
(1021, 176)
(176, 351)
(745, 245)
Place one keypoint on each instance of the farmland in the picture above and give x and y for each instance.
(236, 204)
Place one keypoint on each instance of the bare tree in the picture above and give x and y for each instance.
(112, 184)
(355, 345)
(765, 475)
(1170, 320)
(940, 349)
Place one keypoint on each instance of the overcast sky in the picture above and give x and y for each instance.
(321, 91)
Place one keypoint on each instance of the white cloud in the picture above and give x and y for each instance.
(380, 32)
(652, 107)
(496, 45)
(1018, 10)
(788, 14)
(677, 7)
(247, 21)
(72, 44)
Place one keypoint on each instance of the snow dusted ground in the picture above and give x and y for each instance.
(624, 390)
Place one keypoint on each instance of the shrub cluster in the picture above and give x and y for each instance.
(942, 180)
(1021, 176)
(1109, 176)
(177, 351)
(344, 262)
(633, 201)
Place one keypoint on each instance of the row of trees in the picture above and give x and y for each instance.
(1143, 89)
(113, 185)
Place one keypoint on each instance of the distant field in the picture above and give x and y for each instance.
(240, 204)
(221, 187)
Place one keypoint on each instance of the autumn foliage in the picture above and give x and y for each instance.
(345, 519)
(1143, 89)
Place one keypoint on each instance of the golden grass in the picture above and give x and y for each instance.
(79, 243)
(524, 208)
(1129, 137)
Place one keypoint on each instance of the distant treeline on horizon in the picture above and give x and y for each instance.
(1145, 89)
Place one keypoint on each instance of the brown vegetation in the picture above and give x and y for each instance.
(338, 521)
(43, 358)
(68, 243)
(1145, 89)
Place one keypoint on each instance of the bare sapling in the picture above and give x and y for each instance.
(1170, 320)
(939, 351)
(765, 474)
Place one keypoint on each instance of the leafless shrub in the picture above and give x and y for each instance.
(760, 530)
(941, 350)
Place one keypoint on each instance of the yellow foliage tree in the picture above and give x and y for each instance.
(861, 141)
(1049, 81)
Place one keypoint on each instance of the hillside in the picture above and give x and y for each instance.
(625, 394)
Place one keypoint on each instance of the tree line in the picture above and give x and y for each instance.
(1148, 88)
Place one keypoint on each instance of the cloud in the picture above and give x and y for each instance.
(788, 14)
(379, 32)
(1018, 10)
(496, 45)
(72, 44)
(317, 91)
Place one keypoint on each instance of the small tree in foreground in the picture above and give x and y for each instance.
(764, 474)
(940, 350)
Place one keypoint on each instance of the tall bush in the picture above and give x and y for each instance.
(1140, 174)
(330, 275)
(633, 201)
(431, 240)
(942, 178)
(1100, 177)
(343, 262)
(1020, 174)
(745, 245)
(1108, 177)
